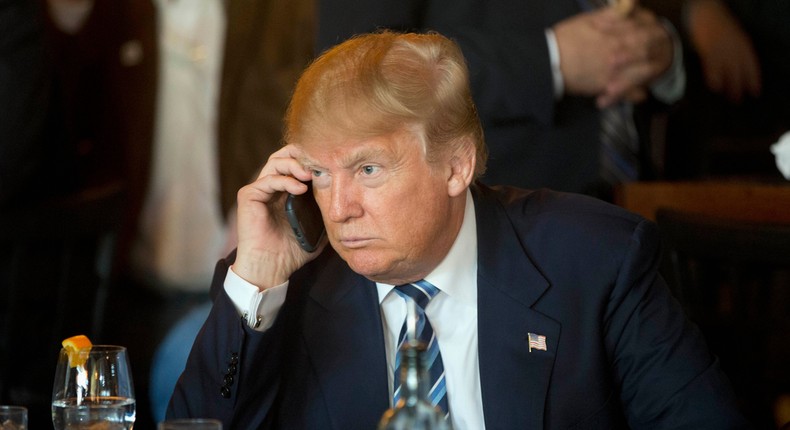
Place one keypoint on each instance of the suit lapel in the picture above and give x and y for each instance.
(514, 380)
(343, 332)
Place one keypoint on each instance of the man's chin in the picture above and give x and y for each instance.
(372, 268)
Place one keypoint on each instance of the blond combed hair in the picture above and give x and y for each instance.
(379, 83)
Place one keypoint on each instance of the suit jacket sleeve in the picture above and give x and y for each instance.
(666, 375)
(232, 373)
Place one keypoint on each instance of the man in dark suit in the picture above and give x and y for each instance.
(541, 71)
(385, 128)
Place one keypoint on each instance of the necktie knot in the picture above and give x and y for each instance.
(421, 292)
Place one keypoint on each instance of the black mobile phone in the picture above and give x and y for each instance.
(305, 219)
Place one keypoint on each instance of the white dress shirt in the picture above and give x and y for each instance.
(182, 232)
(452, 313)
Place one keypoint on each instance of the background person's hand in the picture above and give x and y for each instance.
(645, 52)
(729, 62)
(268, 253)
(586, 51)
(611, 55)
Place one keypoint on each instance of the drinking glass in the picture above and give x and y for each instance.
(191, 424)
(13, 418)
(94, 391)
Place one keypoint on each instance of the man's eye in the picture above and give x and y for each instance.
(317, 173)
(369, 170)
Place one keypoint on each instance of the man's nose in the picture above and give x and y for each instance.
(345, 201)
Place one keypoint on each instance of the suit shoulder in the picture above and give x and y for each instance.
(572, 221)
(560, 205)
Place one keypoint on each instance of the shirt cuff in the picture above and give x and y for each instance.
(258, 308)
(554, 60)
(670, 86)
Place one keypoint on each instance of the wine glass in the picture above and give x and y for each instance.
(93, 390)
(13, 417)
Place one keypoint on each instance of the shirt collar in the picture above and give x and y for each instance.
(458, 270)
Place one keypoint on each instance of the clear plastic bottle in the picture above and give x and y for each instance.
(414, 410)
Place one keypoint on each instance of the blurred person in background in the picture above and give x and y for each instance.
(543, 73)
(210, 112)
(180, 102)
(738, 100)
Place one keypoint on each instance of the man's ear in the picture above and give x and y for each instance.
(461, 167)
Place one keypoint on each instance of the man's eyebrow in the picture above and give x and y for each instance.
(305, 161)
(358, 156)
(346, 160)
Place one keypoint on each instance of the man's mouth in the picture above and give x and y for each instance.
(354, 242)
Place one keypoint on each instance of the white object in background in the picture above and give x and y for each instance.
(781, 151)
(182, 232)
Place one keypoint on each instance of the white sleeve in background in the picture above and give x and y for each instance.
(259, 308)
(671, 86)
(554, 60)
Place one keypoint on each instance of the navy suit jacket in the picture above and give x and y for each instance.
(620, 352)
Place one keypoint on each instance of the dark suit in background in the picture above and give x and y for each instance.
(24, 93)
(534, 141)
(582, 273)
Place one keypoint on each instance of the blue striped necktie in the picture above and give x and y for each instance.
(619, 145)
(421, 292)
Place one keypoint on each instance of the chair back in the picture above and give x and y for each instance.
(733, 279)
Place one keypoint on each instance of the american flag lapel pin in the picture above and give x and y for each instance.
(536, 341)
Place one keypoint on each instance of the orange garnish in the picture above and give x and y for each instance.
(77, 347)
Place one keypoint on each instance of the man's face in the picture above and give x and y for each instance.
(388, 213)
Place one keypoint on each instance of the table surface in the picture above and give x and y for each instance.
(745, 200)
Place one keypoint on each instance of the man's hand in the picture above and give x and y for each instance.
(268, 253)
(645, 53)
(729, 61)
(611, 55)
(586, 50)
